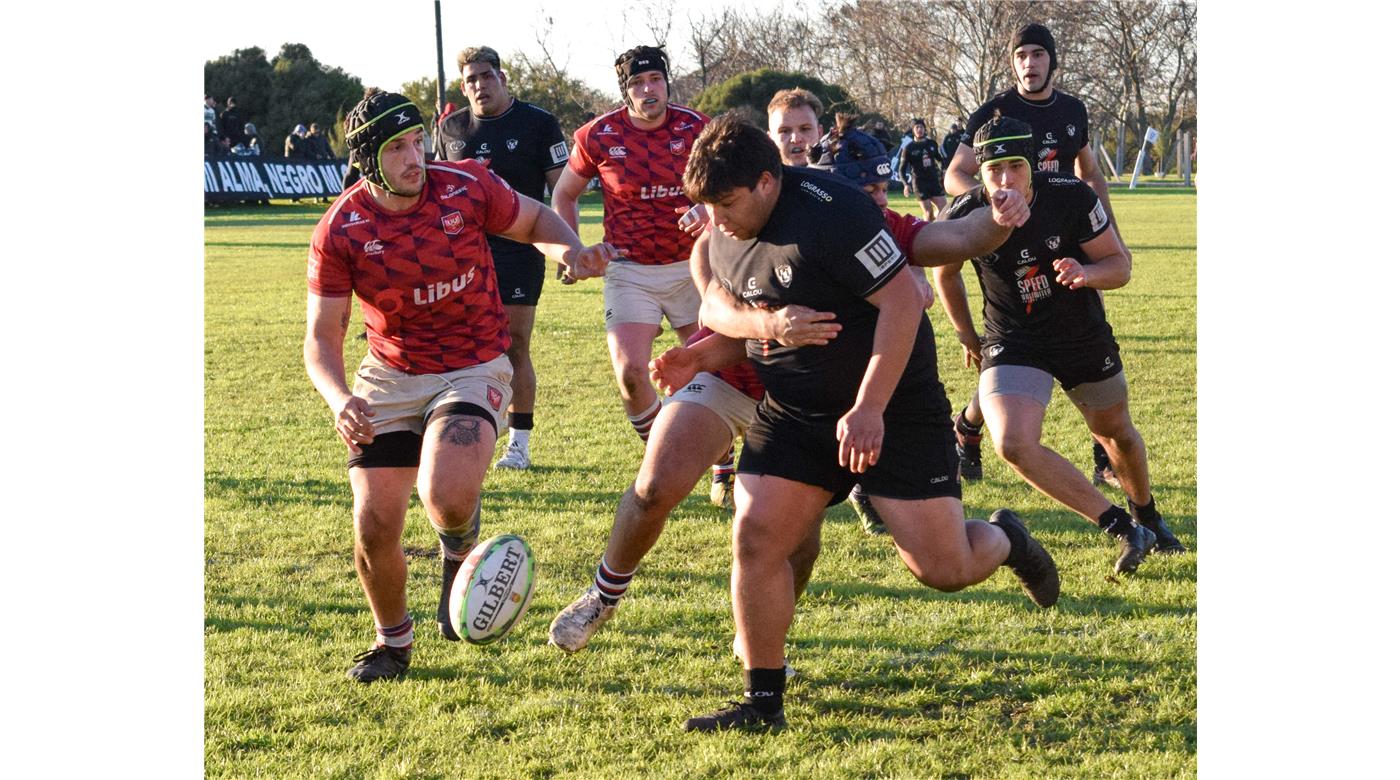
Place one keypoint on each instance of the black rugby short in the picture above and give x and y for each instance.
(520, 276)
(1071, 364)
(917, 457)
(928, 189)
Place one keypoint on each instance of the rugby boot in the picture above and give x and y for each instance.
(1103, 470)
(578, 622)
(869, 519)
(1167, 543)
(515, 457)
(722, 491)
(444, 612)
(1133, 545)
(737, 715)
(380, 662)
(1033, 566)
(969, 446)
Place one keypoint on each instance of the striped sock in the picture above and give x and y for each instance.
(725, 468)
(395, 636)
(457, 542)
(641, 423)
(611, 585)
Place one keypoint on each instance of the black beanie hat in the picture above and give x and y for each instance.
(1037, 35)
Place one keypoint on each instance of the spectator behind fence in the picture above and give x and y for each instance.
(317, 146)
(295, 145)
(230, 126)
(212, 147)
(211, 115)
(251, 146)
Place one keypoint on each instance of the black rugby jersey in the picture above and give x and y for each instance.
(921, 160)
(519, 145)
(1022, 302)
(826, 247)
(1060, 124)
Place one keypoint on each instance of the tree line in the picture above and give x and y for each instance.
(1132, 63)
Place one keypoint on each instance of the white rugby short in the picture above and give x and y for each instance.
(644, 293)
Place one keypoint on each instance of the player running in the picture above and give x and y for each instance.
(868, 405)
(1045, 322)
(1061, 127)
(918, 169)
(521, 143)
(698, 422)
(409, 240)
(638, 152)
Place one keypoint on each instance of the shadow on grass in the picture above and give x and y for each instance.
(276, 492)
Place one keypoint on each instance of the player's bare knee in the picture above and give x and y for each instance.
(1015, 449)
(655, 494)
(451, 507)
(377, 528)
(755, 542)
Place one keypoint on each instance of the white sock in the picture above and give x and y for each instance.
(520, 439)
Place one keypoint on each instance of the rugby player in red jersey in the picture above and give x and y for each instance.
(409, 240)
(638, 152)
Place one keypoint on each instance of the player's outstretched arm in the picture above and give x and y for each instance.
(1109, 265)
(565, 196)
(947, 279)
(535, 224)
(674, 368)
(961, 175)
(327, 320)
(952, 241)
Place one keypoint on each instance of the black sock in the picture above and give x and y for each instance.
(1018, 540)
(1147, 513)
(1100, 456)
(763, 688)
(1115, 520)
(522, 421)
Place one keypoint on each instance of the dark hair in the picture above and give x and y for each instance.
(640, 59)
(731, 152)
(484, 54)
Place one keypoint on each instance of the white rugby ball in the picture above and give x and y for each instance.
(492, 589)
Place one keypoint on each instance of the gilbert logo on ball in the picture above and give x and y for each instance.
(492, 589)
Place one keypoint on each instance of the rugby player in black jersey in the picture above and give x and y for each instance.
(1061, 127)
(523, 144)
(868, 405)
(918, 169)
(1044, 321)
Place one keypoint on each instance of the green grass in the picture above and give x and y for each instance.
(895, 680)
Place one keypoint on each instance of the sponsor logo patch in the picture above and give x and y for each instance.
(511, 144)
(785, 275)
(617, 151)
(493, 397)
(879, 254)
(992, 350)
(456, 146)
(355, 217)
(559, 152)
(1053, 242)
(453, 223)
(677, 146)
(374, 247)
(1097, 218)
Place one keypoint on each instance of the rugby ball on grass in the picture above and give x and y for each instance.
(492, 589)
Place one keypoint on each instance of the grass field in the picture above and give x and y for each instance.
(895, 680)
